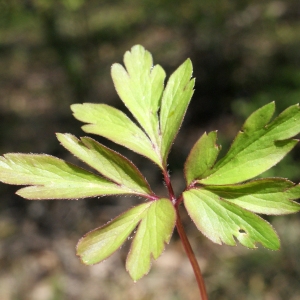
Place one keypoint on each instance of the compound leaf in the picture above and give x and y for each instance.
(175, 101)
(102, 242)
(267, 196)
(153, 232)
(109, 163)
(114, 125)
(258, 147)
(202, 157)
(222, 221)
(157, 221)
(140, 87)
(53, 178)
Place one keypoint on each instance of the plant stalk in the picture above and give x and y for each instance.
(186, 244)
(190, 253)
(169, 186)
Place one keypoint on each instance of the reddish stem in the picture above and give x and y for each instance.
(186, 244)
(169, 186)
(190, 253)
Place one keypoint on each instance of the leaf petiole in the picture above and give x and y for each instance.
(191, 255)
(185, 242)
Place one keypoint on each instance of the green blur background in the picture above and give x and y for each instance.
(55, 53)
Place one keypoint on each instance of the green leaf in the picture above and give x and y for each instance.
(175, 101)
(153, 232)
(53, 178)
(258, 147)
(102, 242)
(140, 87)
(221, 221)
(267, 196)
(202, 157)
(114, 125)
(157, 221)
(294, 192)
(109, 163)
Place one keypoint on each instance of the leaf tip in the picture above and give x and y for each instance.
(74, 107)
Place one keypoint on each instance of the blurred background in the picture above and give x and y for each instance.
(54, 53)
